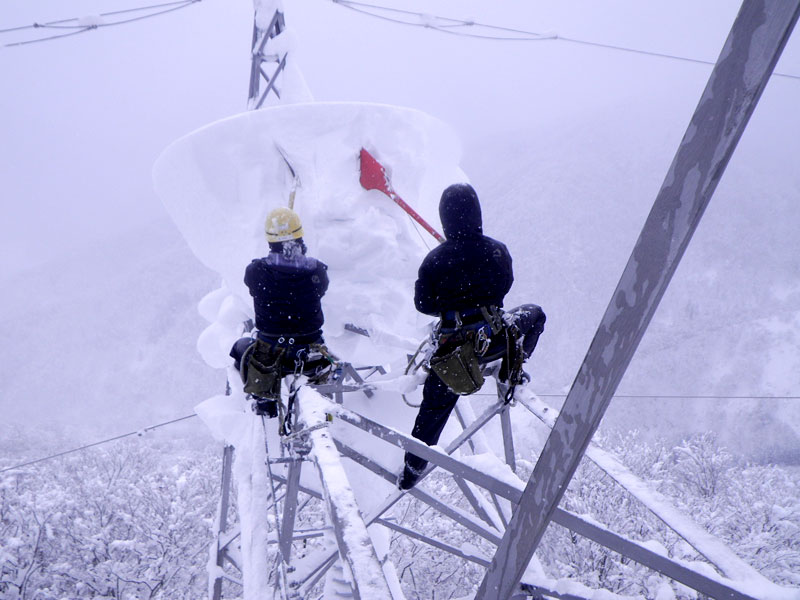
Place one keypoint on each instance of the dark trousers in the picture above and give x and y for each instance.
(437, 399)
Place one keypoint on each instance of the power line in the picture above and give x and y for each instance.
(140, 432)
(675, 397)
(82, 27)
(118, 437)
(430, 22)
(439, 23)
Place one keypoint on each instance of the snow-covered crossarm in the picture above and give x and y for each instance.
(314, 571)
(355, 545)
(456, 514)
(485, 511)
(429, 453)
(286, 536)
(707, 545)
(543, 587)
(491, 513)
(567, 590)
(511, 488)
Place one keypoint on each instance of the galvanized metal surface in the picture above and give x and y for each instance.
(224, 537)
(450, 549)
(290, 510)
(462, 518)
(717, 553)
(715, 587)
(751, 51)
(355, 544)
(508, 438)
(260, 39)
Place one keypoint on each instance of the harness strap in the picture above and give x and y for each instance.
(512, 362)
(327, 354)
(493, 316)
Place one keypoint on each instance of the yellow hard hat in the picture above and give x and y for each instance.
(283, 225)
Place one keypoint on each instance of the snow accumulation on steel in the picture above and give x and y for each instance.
(746, 62)
(355, 544)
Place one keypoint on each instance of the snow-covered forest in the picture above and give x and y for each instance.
(567, 144)
(134, 521)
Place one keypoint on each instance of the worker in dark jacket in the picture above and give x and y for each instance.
(287, 288)
(464, 282)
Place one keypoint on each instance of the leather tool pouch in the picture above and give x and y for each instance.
(459, 369)
(263, 377)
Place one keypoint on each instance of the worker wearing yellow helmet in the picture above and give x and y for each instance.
(287, 288)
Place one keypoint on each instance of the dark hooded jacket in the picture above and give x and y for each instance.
(287, 288)
(469, 269)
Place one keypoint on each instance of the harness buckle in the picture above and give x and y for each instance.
(482, 341)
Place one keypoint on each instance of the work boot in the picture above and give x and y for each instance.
(267, 407)
(408, 478)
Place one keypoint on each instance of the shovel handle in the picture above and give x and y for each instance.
(373, 177)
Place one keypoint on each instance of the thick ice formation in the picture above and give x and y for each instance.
(219, 183)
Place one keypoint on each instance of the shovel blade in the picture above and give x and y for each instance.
(373, 175)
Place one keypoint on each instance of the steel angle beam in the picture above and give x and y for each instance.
(477, 504)
(352, 537)
(290, 509)
(743, 69)
(474, 427)
(260, 39)
(456, 514)
(482, 561)
(230, 535)
(636, 551)
(463, 422)
(538, 591)
(718, 588)
(717, 553)
(494, 515)
(627, 548)
(271, 83)
(508, 438)
(437, 457)
(224, 536)
(306, 490)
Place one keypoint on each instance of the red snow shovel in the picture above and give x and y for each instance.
(373, 177)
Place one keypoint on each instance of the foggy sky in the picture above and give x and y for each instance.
(84, 117)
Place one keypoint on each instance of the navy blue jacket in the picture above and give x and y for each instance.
(286, 293)
(469, 269)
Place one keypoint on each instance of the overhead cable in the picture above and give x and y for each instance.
(138, 432)
(674, 397)
(450, 25)
(84, 24)
(441, 24)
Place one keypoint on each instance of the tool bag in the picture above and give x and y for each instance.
(262, 370)
(459, 369)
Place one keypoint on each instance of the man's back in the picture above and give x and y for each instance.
(469, 269)
(286, 293)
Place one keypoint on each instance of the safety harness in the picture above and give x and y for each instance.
(266, 361)
(463, 341)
